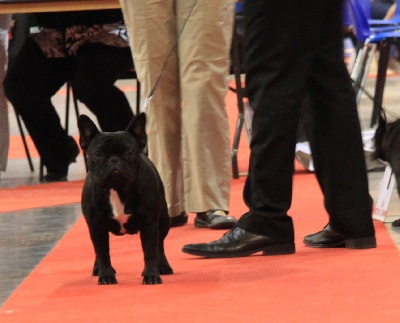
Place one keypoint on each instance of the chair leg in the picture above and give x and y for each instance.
(235, 165)
(361, 67)
(41, 172)
(21, 130)
(67, 103)
(77, 114)
(239, 95)
(138, 88)
(380, 80)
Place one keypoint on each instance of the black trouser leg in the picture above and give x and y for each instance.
(29, 85)
(282, 65)
(336, 134)
(97, 69)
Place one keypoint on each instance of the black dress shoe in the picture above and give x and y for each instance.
(329, 238)
(54, 177)
(214, 219)
(239, 243)
(58, 171)
(178, 221)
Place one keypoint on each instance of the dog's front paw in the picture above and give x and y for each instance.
(106, 275)
(151, 280)
(95, 271)
(163, 265)
(151, 276)
(165, 269)
(107, 280)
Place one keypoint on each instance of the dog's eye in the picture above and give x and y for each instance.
(99, 153)
(129, 152)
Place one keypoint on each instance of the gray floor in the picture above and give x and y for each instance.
(27, 236)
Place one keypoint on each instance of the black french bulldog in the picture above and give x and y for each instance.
(123, 193)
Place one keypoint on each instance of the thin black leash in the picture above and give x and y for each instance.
(382, 112)
(150, 96)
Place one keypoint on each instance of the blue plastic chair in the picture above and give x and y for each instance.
(371, 39)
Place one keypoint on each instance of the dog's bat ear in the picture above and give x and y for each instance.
(87, 131)
(138, 130)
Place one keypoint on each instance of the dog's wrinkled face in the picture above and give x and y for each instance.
(112, 156)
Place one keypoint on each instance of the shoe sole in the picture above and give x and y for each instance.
(280, 249)
(178, 222)
(61, 179)
(274, 250)
(359, 243)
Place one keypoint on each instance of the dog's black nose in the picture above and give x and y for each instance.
(114, 160)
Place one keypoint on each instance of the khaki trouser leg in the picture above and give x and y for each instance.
(204, 52)
(193, 140)
(151, 28)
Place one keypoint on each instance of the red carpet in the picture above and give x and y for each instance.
(313, 285)
(27, 197)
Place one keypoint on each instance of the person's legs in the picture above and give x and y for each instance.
(204, 59)
(98, 67)
(151, 26)
(5, 21)
(277, 71)
(29, 85)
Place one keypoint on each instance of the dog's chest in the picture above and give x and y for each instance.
(118, 210)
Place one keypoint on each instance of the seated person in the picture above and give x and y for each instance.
(88, 48)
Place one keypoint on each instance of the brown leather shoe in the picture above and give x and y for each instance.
(329, 238)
